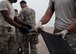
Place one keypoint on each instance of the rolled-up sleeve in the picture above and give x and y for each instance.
(3, 6)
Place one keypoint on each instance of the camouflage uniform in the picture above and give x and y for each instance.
(70, 38)
(8, 43)
(27, 16)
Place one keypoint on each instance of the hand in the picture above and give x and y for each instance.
(63, 33)
(38, 25)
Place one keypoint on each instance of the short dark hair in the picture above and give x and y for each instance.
(23, 2)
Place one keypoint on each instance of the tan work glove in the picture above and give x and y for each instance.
(63, 33)
(38, 25)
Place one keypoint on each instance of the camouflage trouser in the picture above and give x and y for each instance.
(7, 42)
(71, 39)
(33, 42)
(25, 40)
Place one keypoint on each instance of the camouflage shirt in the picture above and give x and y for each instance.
(27, 15)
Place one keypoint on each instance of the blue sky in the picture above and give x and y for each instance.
(40, 7)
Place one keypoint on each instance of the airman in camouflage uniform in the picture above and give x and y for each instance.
(8, 22)
(27, 16)
(8, 43)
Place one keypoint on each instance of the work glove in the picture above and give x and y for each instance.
(38, 25)
(62, 33)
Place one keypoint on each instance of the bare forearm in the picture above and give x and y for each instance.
(5, 14)
(12, 22)
(47, 16)
(72, 27)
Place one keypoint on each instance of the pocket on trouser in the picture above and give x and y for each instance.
(33, 49)
(4, 49)
(25, 47)
(13, 45)
(19, 38)
(34, 39)
(4, 37)
(7, 42)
